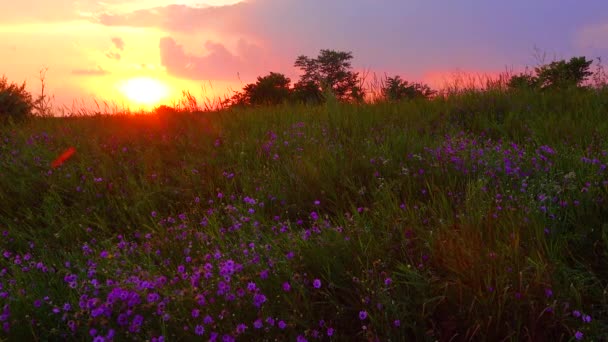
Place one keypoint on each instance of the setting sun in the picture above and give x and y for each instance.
(144, 90)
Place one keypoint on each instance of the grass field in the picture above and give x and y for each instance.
(483, 216)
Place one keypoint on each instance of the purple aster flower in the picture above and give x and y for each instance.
(97, 312)
(576, 313)
(282, 325)
(264, 274)
(241, 328)
(259, 299)
(286, 286)
(199, 330)
(586, 318)
(72, 325)
(251, 287)
(123, 319)
(330, 332)
(362, 315)
(316, 283)
(258, 324)
(153, 297)
(397, 323)
(578, 335)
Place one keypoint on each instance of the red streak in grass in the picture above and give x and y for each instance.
(63, 157)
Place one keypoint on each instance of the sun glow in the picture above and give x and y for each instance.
(144, 90)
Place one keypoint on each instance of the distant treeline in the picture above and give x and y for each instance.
(330, 74)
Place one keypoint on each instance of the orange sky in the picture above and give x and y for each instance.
(87, 61)
(112, 49)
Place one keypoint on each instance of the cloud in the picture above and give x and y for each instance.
(178, 17)
(217, 63)
(90, 72)
(396, 36)
(118, 43)
(113, 55)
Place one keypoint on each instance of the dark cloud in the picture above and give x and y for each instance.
(90, 72)
(118, 43)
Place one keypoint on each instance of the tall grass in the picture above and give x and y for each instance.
(478, 216)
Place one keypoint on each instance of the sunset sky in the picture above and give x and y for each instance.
(115, 49)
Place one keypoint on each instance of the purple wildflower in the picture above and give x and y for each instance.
(199, 330)
(259, 299)
(241, 328)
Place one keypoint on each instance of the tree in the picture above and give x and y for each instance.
(562, 74)
(331, 70)
(15, 102)
(271, 89)
(396, 89)
(523, 81)
(555, 75)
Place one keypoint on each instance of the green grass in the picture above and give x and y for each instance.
(468, 218)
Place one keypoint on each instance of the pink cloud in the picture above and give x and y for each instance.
(400, 37)
(118, 43)
(217, 63)
(179, 17)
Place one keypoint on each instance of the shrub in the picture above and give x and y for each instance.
(15, 102)
(396, 89)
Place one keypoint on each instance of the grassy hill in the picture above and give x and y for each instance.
(483, 216)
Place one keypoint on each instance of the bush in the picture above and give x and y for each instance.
(16, 103)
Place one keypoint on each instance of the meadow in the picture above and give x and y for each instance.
(478, 217)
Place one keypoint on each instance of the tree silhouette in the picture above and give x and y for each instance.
(15, 102)
(331, 70)
(523, 81)
(555, 75)
(271, 89)
(562, 74)
(396, 89)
